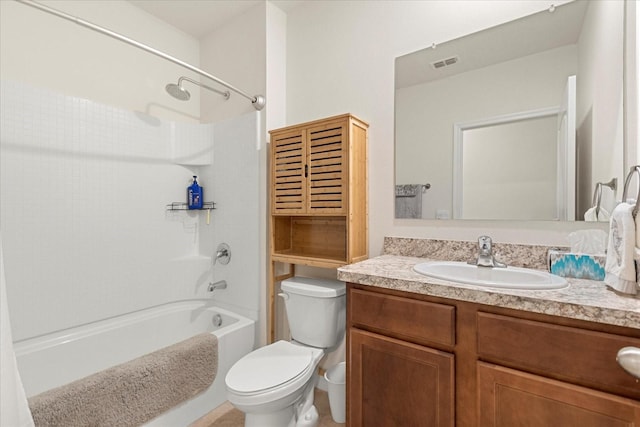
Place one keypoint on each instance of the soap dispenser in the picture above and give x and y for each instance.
(194, 195)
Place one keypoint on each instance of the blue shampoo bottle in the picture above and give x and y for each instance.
(194, 195)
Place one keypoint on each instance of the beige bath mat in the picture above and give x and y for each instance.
(134, 392)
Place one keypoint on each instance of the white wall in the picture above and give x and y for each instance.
(83, 193)
(599, 102)
(340, 57)
(235, 53)
(235, 185)
(46, 51)
(631, 93)
(93, 239)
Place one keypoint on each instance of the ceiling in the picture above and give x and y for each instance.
(200, 17)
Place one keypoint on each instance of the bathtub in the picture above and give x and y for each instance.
(56, 359)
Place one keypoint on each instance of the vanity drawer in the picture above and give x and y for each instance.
(413, 320)
(581, 356)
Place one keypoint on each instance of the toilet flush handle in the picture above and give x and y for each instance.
(284, 296)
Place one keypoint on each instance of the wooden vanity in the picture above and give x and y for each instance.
(422, 352)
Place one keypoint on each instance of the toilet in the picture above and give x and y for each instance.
(274, 385)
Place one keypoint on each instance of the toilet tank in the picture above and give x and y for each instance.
(316, 310)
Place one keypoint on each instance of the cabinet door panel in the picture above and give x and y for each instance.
(287, 172)
(510, 398)
(327, 168)
(394, 383)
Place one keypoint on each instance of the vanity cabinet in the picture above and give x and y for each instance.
(396, 378)
(487, 366)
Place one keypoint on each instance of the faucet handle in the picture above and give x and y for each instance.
(485, 243)
(223, 254)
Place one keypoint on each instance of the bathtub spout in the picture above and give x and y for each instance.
(221, 284)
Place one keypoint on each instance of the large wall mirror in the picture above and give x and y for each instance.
(522, 121)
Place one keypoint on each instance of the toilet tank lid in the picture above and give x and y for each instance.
(314, 287)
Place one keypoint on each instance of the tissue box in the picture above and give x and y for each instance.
(578, 266)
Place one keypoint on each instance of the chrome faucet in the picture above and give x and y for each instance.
(485, 254)
(221, 284)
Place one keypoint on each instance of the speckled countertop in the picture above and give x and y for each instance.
(582, 299)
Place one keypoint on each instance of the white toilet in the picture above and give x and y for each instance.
(274, 385)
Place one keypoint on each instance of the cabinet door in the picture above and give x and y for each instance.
(288, 161)
(395, 383)
(512, 398)
(327, 168)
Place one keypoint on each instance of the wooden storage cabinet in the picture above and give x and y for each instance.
(512, 368)
(319, 192)
(318, 198)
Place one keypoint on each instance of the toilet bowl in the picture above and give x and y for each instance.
(271, 384)
(274, 385)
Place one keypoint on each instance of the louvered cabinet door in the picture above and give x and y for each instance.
(287, 172)
(327, 168)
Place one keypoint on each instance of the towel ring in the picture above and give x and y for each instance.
(634, 169)
(596, 200)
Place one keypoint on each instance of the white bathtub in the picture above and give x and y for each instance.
(56, 359)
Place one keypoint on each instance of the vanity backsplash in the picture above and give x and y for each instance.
(527, 256)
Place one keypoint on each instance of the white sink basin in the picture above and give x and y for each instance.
(506, 278)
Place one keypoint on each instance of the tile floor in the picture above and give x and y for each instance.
(227, 416)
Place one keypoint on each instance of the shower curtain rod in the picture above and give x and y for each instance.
(258, 101)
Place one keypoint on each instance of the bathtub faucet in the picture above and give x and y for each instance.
(221, 284)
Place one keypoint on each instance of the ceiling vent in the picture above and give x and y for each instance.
(444, 62)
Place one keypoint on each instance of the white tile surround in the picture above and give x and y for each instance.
(85, 232)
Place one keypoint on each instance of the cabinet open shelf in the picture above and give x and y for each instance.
(312, 261)
(321, 238)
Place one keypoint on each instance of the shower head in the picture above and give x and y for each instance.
(178, 92)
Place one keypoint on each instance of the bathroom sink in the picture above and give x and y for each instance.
(506, 278)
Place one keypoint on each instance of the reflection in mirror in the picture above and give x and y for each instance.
(516, 122)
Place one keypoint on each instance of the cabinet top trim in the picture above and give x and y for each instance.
(323, 121)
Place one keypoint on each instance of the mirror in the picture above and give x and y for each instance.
(517, 122)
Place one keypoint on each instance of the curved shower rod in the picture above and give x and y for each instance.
(258, 101)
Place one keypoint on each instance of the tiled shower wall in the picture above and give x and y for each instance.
(85, 230)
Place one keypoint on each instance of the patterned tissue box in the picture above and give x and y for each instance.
(577, 266)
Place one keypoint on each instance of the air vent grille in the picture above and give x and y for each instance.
(445, 62)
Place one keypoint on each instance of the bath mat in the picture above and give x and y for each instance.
(134, 392)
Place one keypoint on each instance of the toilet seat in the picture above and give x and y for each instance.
(271, 372)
